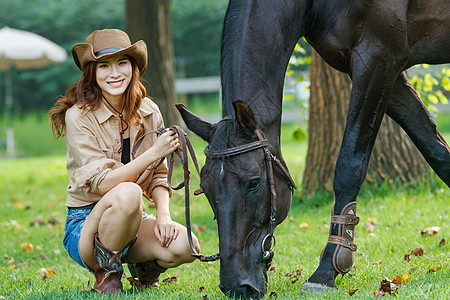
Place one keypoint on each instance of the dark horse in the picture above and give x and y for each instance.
(373, 41)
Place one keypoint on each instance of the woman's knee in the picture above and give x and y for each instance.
(182, 250)
(128, 197)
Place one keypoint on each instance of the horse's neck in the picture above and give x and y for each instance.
(255, 54)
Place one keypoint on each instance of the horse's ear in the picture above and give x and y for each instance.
(200, 127)
(245, 116)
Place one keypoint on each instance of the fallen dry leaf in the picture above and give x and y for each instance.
(134, 283)
(304, 225)
(442, 243)
(200, 290)
(9, 260)
(273, 295)
(53, 221)
(37, 222)
(432, 270)
(388, 287)
(430, 231)
(415, 252)
(19, 206)
(205, 297)
(397, 280)
(352, 292)
(46, 273)
(170, 279)
(294, 276)
(27, 247)
(372, 225)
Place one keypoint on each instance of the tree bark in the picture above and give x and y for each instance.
(394, 155)
(149, 20)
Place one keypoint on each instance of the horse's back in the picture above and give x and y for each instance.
(411, 32)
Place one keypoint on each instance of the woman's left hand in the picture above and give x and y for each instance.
(165, 230)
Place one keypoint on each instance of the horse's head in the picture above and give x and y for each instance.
(236, 179)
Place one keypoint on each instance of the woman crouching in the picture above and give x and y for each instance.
(102, 117)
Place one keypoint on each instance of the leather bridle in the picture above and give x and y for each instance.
(182, 153)
(267, 254)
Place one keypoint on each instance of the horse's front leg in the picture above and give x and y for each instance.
(369, 99)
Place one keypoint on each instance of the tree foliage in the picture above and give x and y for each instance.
(65, 22)
(197, 31)
(197, 27)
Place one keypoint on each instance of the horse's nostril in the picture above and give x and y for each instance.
(251, 292)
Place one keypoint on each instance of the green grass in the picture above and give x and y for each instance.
(33, 190)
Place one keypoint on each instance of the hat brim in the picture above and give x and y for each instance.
(83, 53)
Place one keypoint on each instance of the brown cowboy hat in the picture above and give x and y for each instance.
(102, 44)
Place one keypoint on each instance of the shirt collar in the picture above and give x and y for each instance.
(103, 113)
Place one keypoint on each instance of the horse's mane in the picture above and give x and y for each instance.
(229, 38)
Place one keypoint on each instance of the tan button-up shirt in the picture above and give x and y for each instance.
(93, 142)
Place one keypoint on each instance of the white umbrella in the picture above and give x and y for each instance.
(23, 50)
(26, 50)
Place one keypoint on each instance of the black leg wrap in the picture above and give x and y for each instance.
(343, 254)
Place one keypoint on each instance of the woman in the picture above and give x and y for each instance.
(103, 114)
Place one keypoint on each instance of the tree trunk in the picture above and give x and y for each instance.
(149, 20)
(394, 155)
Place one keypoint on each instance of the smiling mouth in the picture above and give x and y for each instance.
(116, 84)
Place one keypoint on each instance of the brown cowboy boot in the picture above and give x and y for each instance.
(148, 273)
(108, 268)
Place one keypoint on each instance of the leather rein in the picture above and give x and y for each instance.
(182, 153)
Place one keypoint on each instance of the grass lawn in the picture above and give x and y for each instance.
(32, 196)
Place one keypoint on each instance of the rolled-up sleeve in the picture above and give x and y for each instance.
(151, 178)
(159, 179)
(89, 160)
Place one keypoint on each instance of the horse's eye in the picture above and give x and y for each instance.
(253, 184)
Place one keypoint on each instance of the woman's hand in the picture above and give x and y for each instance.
(165, 230)
(165, 144)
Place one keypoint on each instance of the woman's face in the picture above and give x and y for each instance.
(113, 75)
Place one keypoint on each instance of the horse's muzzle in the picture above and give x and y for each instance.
(244, 290)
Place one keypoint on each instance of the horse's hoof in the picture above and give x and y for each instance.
(316, 287)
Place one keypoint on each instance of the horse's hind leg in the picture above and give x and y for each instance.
(409, 112)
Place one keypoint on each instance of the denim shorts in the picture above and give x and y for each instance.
(74, 223)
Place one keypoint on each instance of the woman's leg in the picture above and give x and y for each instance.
(116, 218)
(147, 247)
(151, 259)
